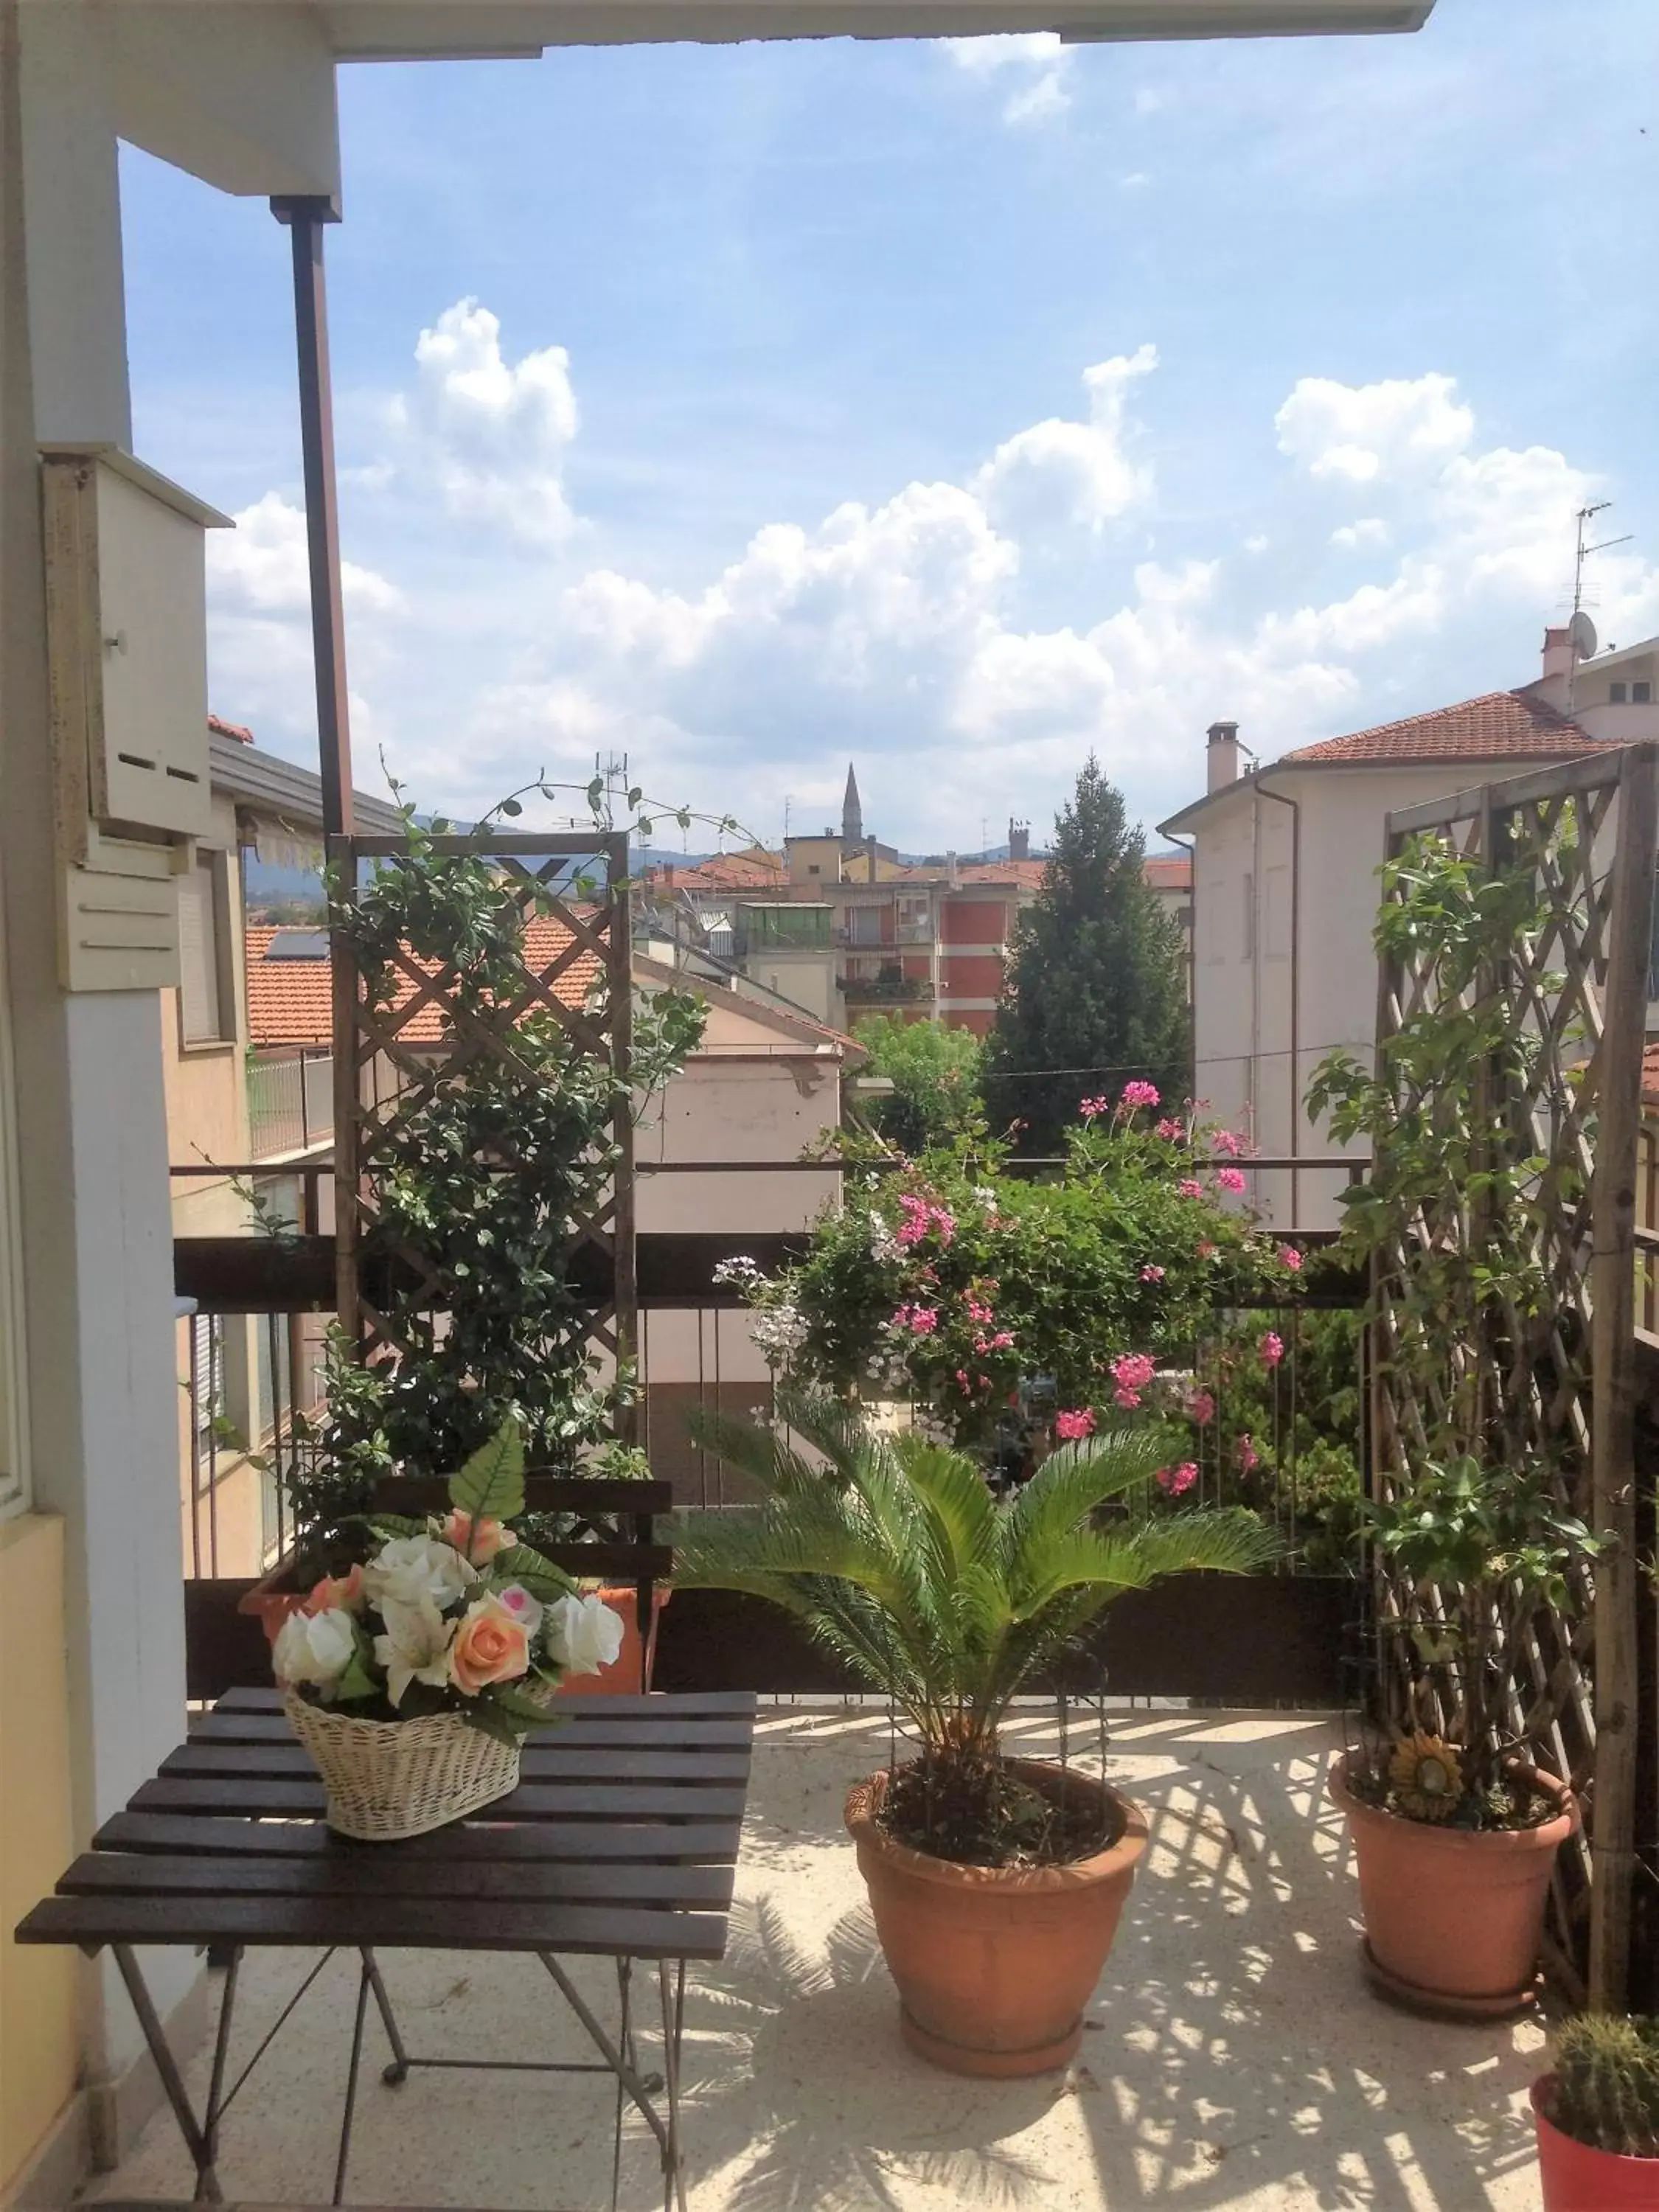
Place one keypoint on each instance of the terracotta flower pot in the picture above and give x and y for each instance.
(629, 1674)
(995, 1965)
(274, 1597)
(1577, 2178)
(1453, 1917)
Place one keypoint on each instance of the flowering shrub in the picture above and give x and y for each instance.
(450, 1615)
(973, 1293)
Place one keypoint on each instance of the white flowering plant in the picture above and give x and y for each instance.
(451, 1613)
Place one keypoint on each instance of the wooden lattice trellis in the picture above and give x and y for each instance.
(390, 1063)
(1573, 996)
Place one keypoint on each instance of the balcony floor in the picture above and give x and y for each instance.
(1234, 2059)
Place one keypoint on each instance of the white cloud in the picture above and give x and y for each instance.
(1037, 61)
(260, 567)
(914, 629)
(491, 435)
(1067, 473)
(1364, 431)
(1135, 182)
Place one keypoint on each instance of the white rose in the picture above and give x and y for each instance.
(406, 1568)
(416, 1645)
(528, 1611)
(315, 1647)
(582, 1634)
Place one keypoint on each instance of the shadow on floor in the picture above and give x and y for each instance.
(1234, 2057)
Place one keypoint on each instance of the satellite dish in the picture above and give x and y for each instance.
(1582, 633)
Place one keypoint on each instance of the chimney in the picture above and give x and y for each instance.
(953, 872)
(1223, 754)
(1559, 654)
(668, 872)
(1020, 841)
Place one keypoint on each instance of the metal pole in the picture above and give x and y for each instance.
(306, 219)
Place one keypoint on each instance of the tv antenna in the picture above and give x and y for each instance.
(1582, 630)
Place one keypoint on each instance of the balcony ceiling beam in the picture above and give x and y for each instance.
(371, 30)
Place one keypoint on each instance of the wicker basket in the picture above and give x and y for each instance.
(390, 1778)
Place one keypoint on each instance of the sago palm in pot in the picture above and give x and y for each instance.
(996, 1883)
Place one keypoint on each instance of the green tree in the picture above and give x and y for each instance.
(1096, 979)
(934, 1071)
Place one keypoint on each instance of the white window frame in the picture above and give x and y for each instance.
(216, 865)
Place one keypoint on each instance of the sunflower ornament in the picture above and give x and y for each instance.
(1425, 1778)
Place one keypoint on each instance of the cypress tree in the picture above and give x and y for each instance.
(1096, 979)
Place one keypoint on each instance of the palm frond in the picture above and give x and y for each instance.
(897, 1560)
(763, 1454)
(1075, 1481)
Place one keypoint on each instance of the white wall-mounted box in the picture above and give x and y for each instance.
(126, 625)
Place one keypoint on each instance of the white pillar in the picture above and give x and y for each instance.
(92, 1134)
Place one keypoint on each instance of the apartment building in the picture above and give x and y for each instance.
(1287, 890)
(846, 925)
(246, 1118)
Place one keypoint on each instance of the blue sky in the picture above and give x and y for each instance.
(954, 409)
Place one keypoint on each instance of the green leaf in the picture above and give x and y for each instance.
(492, 1481)
(357, 1681)
(524, 1710)
(480, 1714)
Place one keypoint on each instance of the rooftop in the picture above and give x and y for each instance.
(289, 1001)
(1497, 725)
(289, 991)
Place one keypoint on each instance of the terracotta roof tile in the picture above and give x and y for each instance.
(1169, 871)
(289, 1001)
(221, 728)
(1497, 725)
(754, 870)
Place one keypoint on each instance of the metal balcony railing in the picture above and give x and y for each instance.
(290, 1103)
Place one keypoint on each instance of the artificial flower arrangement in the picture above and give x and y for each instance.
(414, 1679)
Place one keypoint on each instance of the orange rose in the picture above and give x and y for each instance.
(478, 1540)
(489, 1646)
(337, 1593)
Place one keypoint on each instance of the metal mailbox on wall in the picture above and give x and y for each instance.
(126, 616)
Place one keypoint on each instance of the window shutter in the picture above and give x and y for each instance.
(198, 959)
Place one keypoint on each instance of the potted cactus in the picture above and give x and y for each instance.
(996, 1882)
(1597, 2116)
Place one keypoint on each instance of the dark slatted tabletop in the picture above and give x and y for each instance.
(622, 1840)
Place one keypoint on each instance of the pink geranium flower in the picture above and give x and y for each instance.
(1177, 1480)
(1201, 1406)
(1140, 1094)
(1131, 1371)
(1225, 1142)
(1174, 1130)
(977, 1311)
(1189, 1187)
(1091, 1109)
(1272, 1348)
(1248, 1457)
(1074, 1425)
(1151, 1274)
(922, 1321)
(1231, 1179)
(1291, 1258)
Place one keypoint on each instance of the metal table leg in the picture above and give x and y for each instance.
(201, 2136)
(673, 2022)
